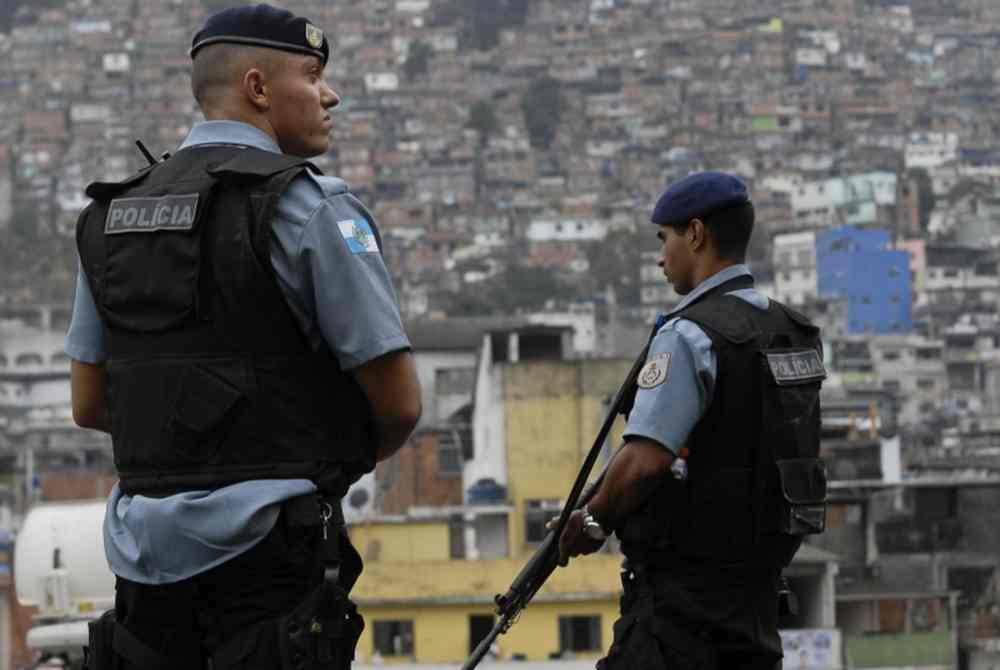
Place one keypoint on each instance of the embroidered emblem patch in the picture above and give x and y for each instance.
(314, 36)
(796, 367)
(654, 372)
(144, 215)
(359, 236)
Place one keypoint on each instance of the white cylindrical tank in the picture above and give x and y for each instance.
(59, 563)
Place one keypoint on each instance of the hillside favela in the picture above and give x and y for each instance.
(511, 152)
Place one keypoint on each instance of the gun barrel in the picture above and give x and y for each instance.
(484, 645)
(546, 558)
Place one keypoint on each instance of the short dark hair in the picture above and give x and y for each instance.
(730, 229)
(219, 66)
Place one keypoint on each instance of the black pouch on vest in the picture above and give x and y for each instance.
(202, 405)
(790, 440)
(803, 489)
(322, 632)
(154, 258)
(100, 654)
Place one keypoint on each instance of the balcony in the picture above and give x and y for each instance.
(903, 650)
(915, 535)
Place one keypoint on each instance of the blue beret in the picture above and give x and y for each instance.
(697, 196)
(263, 26)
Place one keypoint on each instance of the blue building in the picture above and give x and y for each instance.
(858, 266)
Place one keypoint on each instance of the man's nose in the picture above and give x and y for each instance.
(329, 98)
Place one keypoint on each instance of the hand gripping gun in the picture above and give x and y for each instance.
(546, 558)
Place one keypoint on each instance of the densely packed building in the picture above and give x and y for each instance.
(511, 152)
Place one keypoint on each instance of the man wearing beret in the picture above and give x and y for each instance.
(236, 333)
(691, 493)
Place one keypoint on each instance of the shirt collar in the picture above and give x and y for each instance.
(230, 132)
(719, 278)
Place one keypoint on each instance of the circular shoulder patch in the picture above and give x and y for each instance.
(654, 372)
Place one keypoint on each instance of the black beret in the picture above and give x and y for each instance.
(263, 26)
(698, 196)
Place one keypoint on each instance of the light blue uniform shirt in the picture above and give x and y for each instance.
(340, 293)
(667, 412)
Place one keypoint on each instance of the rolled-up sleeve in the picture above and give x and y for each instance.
(675, 386)
(85, 339)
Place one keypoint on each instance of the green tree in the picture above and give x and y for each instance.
(518, 288)
(615, 261)
(417, 59)
(483, 120)
(482, 20)
(926, 200)
(541, 105)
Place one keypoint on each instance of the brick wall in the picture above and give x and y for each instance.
(413, 477)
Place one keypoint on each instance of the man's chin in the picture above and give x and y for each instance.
(310, 151)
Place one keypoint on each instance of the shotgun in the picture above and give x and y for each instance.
(546, 558)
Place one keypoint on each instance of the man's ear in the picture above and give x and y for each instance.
(698, 234)
(256, 89)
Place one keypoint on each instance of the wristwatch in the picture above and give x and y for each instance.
(591, 527)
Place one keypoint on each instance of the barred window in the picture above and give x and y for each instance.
(580, 633)
(393, 638)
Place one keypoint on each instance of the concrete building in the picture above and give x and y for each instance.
(432, 569)
(857, 265)
(793, 258)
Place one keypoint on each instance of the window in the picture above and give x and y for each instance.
(454, 381)
(480, 626)
(456, 536)
(891, 384)
(927, 354)
(580, 633)
(449, 453)
(936, 504)
(536, 514)
(925, 383)
(29, 359)
(394, 638)
(890, 355)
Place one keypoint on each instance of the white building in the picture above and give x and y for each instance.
(930, 150)
(566, 230)
(913, 368)
(794, 261)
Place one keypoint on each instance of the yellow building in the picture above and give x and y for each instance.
(431, 574)
(432, 570)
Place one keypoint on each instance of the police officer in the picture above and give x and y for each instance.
(236, 332)
(725, 418)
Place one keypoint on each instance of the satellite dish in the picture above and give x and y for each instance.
(358, 498)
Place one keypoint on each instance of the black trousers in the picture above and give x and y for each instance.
(696, 622)
(192, 618)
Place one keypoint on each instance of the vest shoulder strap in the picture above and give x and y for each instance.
(724, 316)
(798, 318)
(251, 163)
(105, 190)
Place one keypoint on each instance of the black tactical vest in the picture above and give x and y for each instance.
(210, 380)
(755, 483)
